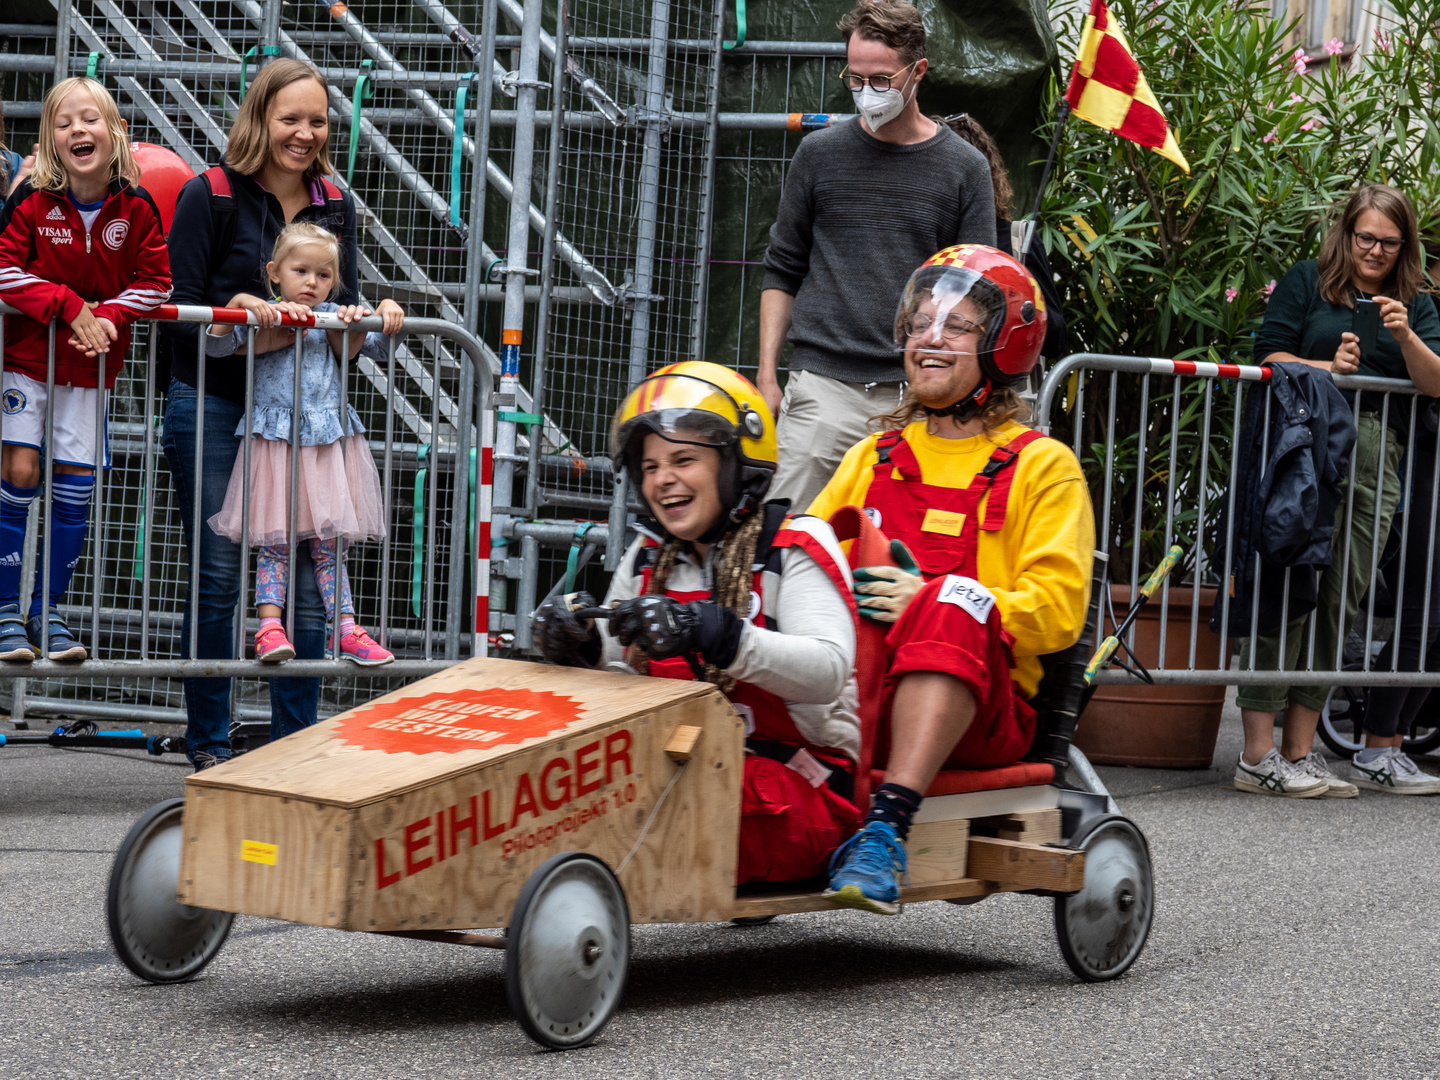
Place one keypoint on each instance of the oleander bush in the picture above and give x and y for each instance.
(1153, 262)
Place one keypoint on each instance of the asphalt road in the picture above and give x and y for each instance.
(1291, 939)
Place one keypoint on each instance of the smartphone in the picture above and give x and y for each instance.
(1366, 325)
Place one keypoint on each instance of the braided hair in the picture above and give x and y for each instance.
(734, 575)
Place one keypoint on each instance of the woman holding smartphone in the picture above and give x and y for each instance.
(1371, 255)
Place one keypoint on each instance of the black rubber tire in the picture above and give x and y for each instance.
(158, 938)
(567, 951)
(752, 920)
(1339, 729)
(1103, 928)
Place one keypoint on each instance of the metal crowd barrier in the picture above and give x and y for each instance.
(436, 470)
(1159, 456)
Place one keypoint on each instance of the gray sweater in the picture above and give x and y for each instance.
(856, 218)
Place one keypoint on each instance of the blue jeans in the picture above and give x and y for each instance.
(294, 703)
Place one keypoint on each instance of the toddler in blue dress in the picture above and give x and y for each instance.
(340, 498)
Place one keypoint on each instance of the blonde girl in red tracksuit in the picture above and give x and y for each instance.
(81, 244)
(725, 587)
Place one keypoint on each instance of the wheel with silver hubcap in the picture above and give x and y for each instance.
(567, 951)
(1103, 927)
(157, 937)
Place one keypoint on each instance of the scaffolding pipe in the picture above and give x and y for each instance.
(705, 225)
(515, 271)
(475, 260)
(648, 198)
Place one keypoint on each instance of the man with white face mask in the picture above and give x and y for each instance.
(865, 201)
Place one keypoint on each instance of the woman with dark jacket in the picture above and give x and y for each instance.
(276, 159)
(1057, 339)
(1372, 252)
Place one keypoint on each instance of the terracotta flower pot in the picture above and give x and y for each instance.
(1166, 727)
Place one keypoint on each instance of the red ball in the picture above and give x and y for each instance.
(162, 173)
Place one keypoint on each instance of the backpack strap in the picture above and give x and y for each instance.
(332, 191)
(222, 214)
(1000, 476)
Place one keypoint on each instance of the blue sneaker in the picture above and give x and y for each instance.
(14, 645)
(60, 643)
(866, 870)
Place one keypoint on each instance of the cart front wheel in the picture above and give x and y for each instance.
(567, 951)
(157, 937)
(1103, 928)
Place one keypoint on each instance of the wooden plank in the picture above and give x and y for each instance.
(258, 854)
(330, 763)
(937, 851)
(1031, 827)
(1017, 865)
(793, 903)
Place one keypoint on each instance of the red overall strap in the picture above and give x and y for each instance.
(892, 445)
(798, 537)
(1000, 476)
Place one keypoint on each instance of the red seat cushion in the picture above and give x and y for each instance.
(956, 781)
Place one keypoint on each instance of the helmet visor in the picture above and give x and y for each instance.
(949, 309)
(679, 409)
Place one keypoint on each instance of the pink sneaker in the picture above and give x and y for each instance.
(272, 646)
(363, 649)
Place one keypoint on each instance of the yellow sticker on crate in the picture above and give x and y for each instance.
(256, 852)
(943, 521)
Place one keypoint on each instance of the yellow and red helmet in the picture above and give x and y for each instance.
(703, 404)
(1001, 291)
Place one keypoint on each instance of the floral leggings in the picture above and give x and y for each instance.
(272, 576)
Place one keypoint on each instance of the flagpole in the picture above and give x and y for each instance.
(1062, 111)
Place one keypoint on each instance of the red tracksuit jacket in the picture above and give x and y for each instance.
(50, 264)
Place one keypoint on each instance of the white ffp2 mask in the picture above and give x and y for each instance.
(879, 107)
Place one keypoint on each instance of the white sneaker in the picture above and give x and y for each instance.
(1315, 765)
(1276, 776)
(1393, 771)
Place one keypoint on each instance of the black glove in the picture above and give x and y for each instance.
(662, 627)
(562, 638)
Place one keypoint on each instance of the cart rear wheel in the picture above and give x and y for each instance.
(157, 937)
(1103, 928)
(567, 951)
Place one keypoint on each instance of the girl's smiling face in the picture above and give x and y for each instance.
(83, 141)
(681, 483)
(306, 275)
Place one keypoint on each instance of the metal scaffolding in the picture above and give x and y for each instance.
(551, 188)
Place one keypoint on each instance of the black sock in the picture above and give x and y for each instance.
(894, 805)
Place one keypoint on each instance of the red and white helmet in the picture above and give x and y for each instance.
(1008, 300)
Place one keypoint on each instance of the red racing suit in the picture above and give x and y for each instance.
(51, 264)
(952, 624)
(791, 821)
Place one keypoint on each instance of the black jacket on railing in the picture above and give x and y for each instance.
(1286, 496)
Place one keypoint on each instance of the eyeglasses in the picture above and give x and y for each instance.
(954, 328)
(1390, 244)
(876, 82)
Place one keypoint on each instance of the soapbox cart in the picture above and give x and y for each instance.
(564, 805)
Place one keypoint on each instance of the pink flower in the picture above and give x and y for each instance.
(1296, 98)
(1270, 288)
(1310, 125)
(1297, 61)
(1274, 134)
(1334, 46)
(1230, 294)
(1382, 42)
(1269, 104)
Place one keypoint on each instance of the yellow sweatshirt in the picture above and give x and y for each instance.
(1038, 565)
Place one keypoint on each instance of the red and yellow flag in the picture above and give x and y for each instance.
(1108, 89)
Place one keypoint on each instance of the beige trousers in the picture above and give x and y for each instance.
(820, 419)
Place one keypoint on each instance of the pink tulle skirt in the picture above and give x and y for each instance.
(339, 496)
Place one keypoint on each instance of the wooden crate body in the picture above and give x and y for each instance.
(507, 764)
